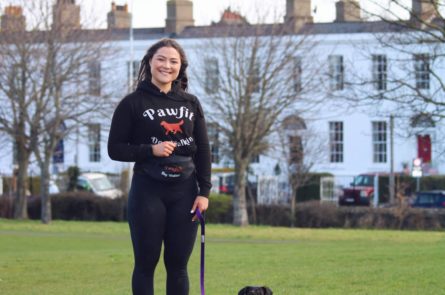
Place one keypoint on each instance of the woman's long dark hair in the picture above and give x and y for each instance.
(145, 71)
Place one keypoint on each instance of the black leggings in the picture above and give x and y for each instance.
(160, 212)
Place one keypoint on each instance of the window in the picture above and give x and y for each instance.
(132, 74)
(94, 78)
(58, 156)
(255, 78)
(422, 71)
(214, 153)
(379, 141)
(297, 73)
(336, 142)
(211, 75)
(336, 72)
(295, 149)
(379, 71)
(94, 142)
(17, 76)
(422, 120)
(255, 159)
(212, 131)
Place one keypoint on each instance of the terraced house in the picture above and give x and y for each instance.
(363, 93)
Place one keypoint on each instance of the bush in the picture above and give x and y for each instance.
(220, 209)
(6, 206)
(311, 190)
(81, 206)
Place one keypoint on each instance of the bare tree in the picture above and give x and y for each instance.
(411, 80)
(251, 75)
(301, 148)
(49, 87)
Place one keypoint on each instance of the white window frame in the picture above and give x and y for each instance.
(336, 142)
(133, 77)
(422, 70)
(380, 141)
(94, 78)
(211, 75)
(94, 142)
(298, 74)
(336, 72)
(380, 71)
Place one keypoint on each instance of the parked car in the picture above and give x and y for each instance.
(429, 199)
(360, 192)
(99, 184)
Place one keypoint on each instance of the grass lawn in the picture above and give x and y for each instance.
(96, 258)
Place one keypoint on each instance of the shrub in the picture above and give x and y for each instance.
(220, 209)
(311, 190)
(81, 206)
(6, 206)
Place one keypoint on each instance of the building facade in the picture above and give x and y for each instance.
(345, 134)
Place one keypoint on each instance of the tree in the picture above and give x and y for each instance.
(50, 84)
(301, 148)
(412, 82)
(251, 75)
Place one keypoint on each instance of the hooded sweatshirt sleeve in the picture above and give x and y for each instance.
(119, 147)
(202, 156)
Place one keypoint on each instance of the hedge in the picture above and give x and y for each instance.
(81, 206)
(312, 214)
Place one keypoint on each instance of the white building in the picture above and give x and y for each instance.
(355, 137)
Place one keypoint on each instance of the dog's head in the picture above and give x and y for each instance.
(250, 290)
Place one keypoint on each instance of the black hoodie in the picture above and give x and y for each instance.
(149, 116)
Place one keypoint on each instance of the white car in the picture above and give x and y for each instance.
(99, 184)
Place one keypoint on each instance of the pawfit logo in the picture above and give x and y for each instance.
(172, 127)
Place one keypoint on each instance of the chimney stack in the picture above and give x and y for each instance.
(424, 10)
(13, 19)
(119, 17)
(179, 16)
(298, 13)
(348, 11)
(66, 14)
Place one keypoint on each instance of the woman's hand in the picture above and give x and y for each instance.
(163, 149)
(202, 203)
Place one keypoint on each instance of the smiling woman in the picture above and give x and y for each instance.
(161, 127)
(164, 66)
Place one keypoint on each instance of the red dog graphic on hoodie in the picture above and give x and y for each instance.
(172, 127)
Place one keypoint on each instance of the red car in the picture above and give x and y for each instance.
(360, 193)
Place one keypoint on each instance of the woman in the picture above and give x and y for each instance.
(161, 127)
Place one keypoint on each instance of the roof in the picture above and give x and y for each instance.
(221, 30)
(229, 30)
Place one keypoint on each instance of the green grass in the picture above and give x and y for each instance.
(96, 258)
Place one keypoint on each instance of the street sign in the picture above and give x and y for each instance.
(417, 168)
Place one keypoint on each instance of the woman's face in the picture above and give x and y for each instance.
(164, 66)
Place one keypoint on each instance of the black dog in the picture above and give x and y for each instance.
(249, 290)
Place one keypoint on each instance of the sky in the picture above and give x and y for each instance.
(152, 13)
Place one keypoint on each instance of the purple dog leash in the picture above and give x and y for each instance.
(202, 222)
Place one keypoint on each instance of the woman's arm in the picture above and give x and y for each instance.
(202, 156)
(119, 146)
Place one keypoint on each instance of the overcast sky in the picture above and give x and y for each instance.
(152, 13)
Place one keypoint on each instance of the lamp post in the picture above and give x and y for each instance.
(131, 80)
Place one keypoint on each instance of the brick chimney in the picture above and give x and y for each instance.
(13, 19)
(298, 13)
(66, 14)
(424, 10)
(179, 15)
(230, 17)
(119, 17)
(348, 11)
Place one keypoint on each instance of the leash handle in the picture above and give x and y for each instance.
(202, 222)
